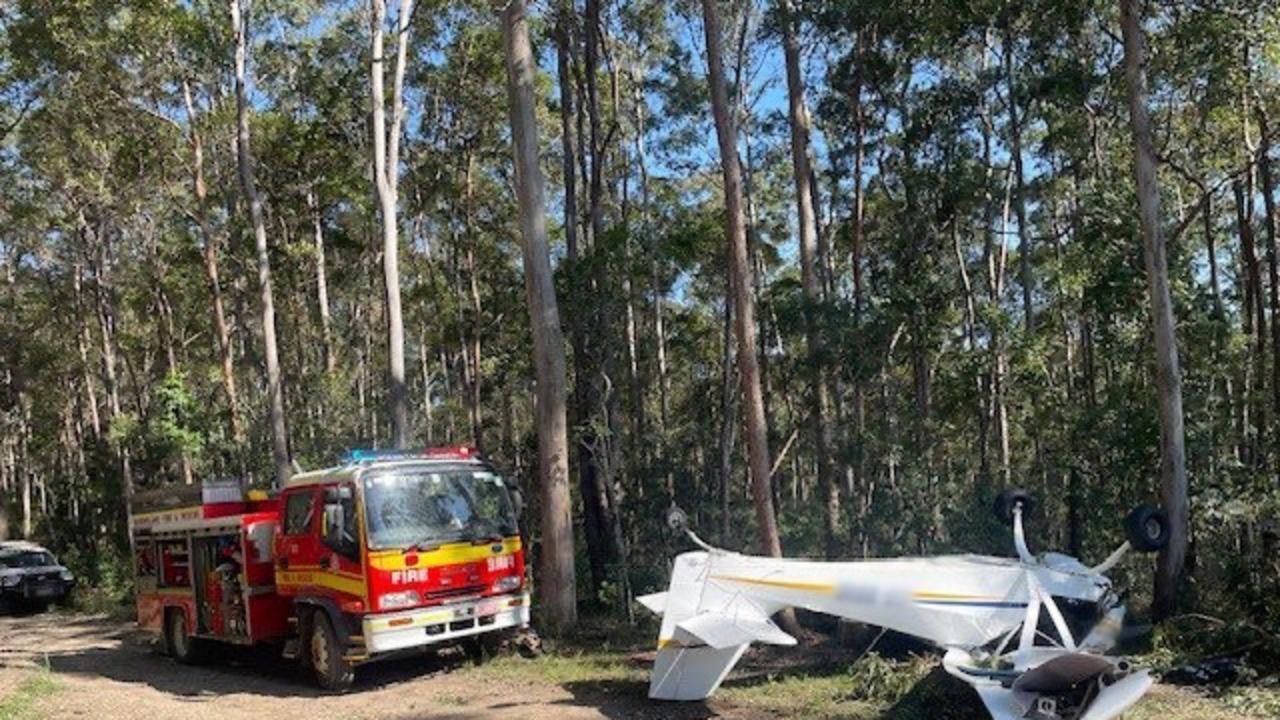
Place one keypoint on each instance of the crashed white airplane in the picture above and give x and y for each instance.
(1028, 634)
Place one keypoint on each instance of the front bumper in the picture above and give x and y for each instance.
(29, 591)
(420, 627)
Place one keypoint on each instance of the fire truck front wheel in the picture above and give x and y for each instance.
(324, 652)
(184, 648)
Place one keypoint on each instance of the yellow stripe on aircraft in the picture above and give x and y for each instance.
(827, 588)
(922, 595)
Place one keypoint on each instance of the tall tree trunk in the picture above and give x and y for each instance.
(654, 250)
(1254, 319)
(743, 300)
(386, 169)
(24, 467)
(322, 282)
(810, 279)
(1019, 180)
(471, 335)
(1173, 474)
(559, 607)
(590, 377)
(99, 249)
(728, 414)
(1273, 272)
(210, 255)
(84, 338)
(249, 186)
(859, 465)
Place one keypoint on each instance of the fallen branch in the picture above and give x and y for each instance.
(782, 455)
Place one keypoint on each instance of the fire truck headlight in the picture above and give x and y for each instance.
(402, 599)
(507, 584)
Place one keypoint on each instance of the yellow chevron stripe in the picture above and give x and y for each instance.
(345, 584)
(299, 567)
(827, 588)
(923, 595)
(450, 554)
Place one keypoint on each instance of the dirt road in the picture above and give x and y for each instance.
(104, 670)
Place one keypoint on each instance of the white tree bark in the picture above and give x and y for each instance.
(249, 186)
(386, 170)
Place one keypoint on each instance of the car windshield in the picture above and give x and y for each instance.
(27, 559)
(424, 508)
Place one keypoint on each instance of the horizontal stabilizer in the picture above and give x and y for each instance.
(721, 631)
(656, 602)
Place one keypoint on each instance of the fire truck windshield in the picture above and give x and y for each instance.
(422, 508)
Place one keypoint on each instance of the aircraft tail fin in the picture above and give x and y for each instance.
(705, 630)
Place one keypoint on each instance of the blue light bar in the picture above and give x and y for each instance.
(369, 455)
(364, 455)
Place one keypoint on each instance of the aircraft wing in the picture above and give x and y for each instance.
(722, 630)
(656, 602)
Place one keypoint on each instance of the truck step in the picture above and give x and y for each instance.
(290, 649)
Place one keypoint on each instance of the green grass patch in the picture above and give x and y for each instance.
(564, 667)
(21, 703)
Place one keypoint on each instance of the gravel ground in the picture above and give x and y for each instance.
(105, 670)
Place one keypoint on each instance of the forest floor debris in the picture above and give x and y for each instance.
(56, 666)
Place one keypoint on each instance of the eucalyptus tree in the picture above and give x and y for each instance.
(806, 215)
(386, 171)
(743, 299)
(557, 581)
(1173, 473)
(249, 188)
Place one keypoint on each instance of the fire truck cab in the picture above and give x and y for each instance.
(387, 552)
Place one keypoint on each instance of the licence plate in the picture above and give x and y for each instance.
(46, 591)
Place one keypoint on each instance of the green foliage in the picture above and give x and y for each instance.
(925, 342)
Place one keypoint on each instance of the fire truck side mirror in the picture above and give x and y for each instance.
(333, 520)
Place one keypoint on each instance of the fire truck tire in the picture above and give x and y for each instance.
(324, 655)
(484, 647)
(181, 646)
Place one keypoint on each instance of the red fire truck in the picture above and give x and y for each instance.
(390, 551)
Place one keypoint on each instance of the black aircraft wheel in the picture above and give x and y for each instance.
(1147, 528)
(1010, 499)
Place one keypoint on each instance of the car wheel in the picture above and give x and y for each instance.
(182, 646)
(324, 653)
